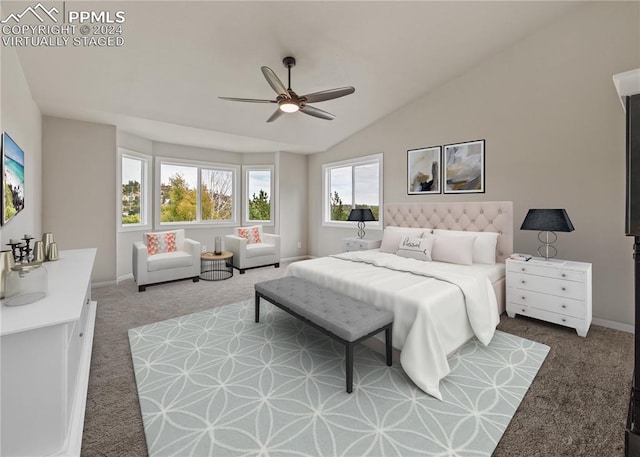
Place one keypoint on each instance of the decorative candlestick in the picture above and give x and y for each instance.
(27, 249)
(15, 248)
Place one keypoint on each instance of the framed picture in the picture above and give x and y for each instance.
(464, 167)
(424, 173)
(12, 178)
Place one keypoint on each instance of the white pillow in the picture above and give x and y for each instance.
(416, 248)
(453, 249)
(392, 235)
(484, 248)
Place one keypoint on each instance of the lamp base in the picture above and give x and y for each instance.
(547, 250)
(361, 229)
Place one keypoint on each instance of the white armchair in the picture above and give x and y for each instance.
(183, 263)
(253, 255)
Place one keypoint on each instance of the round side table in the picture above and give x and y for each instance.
(216, 267)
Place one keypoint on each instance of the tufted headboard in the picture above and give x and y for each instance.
(473, 216)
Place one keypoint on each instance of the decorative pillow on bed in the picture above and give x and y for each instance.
(160, 242)
(453, 249)
(484, 248)
(251, 234)
(392, 235)
(416, 248)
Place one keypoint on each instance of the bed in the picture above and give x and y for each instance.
(437, 306)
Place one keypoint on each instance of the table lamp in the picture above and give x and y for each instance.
(548, 221)
(361, 215)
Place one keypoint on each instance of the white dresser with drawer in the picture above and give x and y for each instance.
(46, 356)
(359, 244)
(557, 291)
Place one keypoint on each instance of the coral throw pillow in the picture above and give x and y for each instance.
(251, 234)
(161, 242)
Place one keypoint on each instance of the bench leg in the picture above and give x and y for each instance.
(349, 366)
(387, 336)
(257, 300)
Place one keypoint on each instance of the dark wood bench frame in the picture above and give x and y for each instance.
(348, 344)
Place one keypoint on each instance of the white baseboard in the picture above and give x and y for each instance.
(103, 283)
(613, 324)
(293, 259)
(124, 278)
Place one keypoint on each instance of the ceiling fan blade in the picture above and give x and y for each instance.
(315, 112)
(327, 94)
(275, 82)
(250, 100)
(276, 114)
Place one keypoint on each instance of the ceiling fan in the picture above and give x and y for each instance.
(290, 102)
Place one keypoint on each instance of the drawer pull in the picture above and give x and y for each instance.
(523, 310)
(564, 288)
(563, 306)
(523, 269)
(564, 275)
(523, 281)
(523, 297)
(81, 334)
(564, 320)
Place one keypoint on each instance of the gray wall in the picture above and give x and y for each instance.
(292, 185)
(21, 119)
(79, 198)
(554, 131)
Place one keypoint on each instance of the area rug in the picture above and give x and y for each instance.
(215, 383)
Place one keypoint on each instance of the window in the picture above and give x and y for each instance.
(258, 194)
(354, 183)
(134, 191)
(196, 193)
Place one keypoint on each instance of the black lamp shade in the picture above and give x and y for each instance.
(361, 215)
(552, 220)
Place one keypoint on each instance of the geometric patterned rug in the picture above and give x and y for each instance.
(215, 383)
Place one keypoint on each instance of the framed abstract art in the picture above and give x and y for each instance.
(464, 167)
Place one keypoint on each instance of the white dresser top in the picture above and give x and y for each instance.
(541, 261)
(68, 279)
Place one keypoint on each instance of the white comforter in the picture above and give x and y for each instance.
(436, 306)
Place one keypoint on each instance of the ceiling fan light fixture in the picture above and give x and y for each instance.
(289, 106)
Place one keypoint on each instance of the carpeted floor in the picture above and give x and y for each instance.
(576, 405)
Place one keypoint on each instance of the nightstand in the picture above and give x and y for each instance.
(359, 244)
(557, 291)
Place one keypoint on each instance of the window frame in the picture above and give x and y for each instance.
(146, 190)
(199, 165)
(326, 189)
(246, 169)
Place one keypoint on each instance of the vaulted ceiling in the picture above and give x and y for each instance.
(178, 57)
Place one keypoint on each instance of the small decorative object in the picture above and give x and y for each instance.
(26, 283)
(53, 252)
(548, 221)
(218, 246)
(47, 239)
(13, 179)
(38, 252)
(361, 215)
(424, 170)
(464, 168)
(7, 262)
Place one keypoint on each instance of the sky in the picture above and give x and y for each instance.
(367, 183)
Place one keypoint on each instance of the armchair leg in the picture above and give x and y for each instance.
(142, 288)
(196, 278)
(277, 265)
(242, 272)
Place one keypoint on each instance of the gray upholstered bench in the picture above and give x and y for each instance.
(341, 317)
